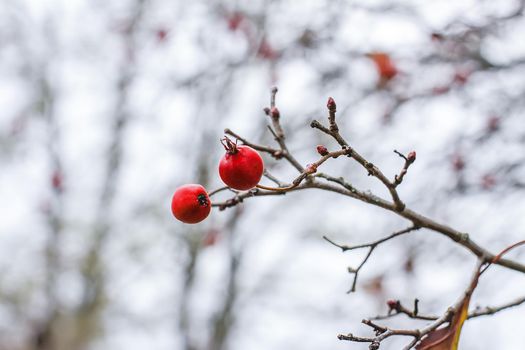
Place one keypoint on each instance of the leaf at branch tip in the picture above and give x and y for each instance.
(448, 338)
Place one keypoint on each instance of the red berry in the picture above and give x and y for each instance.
(190, 204)
(242, 167)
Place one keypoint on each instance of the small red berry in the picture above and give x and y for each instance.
(241, 168)
(190, 204)
(322, 150)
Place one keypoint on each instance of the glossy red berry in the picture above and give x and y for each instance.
(190, 204)
(242, 167)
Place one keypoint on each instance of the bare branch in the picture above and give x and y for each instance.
(409, 160)
(490, 310)
(371, 246)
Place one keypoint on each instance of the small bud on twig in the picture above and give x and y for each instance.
(392, 304)
(322, 150)
(411, 157)
(311, 169)
(331, 104)
(274, 113)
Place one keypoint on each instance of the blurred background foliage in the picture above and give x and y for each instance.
(107, 106)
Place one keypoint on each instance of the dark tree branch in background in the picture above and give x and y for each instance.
(341, 186)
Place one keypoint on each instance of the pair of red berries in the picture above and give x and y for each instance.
(241, 168)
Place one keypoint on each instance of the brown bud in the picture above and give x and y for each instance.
(411, 156)
(374, 345)
(322, 150)
(274, 113)
(392, 304)
(311, 168)
(331, 104)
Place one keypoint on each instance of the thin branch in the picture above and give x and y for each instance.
(409, 160)
(370, 168)
(371, 246)
(219, 190)
(278, 132)
(490, 310)
(277, 154)
(309, 170)
(384, 332)
(344, 248)
(396, 308)
(272, 178)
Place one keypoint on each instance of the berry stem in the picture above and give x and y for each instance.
(229, 145)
